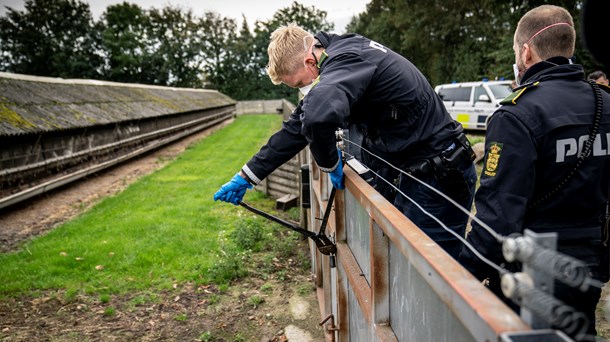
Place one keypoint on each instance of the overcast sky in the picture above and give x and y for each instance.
(339, 11)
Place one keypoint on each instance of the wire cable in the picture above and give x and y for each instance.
(540, 302)
(493, 233)
(466, 243)
(582, 282)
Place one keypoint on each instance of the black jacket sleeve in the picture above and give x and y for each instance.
(327, 106)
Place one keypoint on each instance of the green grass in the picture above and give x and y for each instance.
(475, 138)
(163, 229)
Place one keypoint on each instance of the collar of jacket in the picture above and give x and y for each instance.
(323, 38)
(552, 67)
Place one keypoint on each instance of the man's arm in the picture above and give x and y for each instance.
(281, 147)
(507, 182)
(327, 106)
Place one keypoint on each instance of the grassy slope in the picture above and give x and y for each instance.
(165, 228)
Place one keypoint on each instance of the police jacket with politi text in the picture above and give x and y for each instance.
(361, 82)
(532, 143)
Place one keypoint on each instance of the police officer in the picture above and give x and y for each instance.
(598, 76)
(533, 144)
(352, 80)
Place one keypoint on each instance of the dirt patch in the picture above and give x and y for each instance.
(252, 309)
(186, 313)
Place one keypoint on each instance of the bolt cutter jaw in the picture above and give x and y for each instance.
(324, 245)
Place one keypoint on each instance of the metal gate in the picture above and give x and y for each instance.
(391, 281)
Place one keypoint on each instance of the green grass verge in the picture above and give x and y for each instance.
(163, 229)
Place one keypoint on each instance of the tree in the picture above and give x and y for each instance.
(175, 47)
(122, 28)
(157, 46)
(309, 18)
(454, 40)
(236, 64)
(220, 36)
(236, 73)
(50, 38)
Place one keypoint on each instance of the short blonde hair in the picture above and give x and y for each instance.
(286, 51)
(555, 41)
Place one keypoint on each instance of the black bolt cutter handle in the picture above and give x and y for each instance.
(276, 219)
(323, 243)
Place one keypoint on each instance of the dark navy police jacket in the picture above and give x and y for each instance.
(361, 82)
(531, 144)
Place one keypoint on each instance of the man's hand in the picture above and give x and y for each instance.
(233, 191)
(336, 176)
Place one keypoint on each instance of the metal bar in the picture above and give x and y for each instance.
(356, 279)
(276, 219)
(329, 206)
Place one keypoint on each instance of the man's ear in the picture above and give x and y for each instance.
(530, 57)
(309, 60)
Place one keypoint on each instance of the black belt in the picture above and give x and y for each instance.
(451, 158)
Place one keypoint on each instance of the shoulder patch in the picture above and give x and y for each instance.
(493, 158)
(512, 98)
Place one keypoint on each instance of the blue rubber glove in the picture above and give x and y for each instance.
(233, 191)
(336, 176)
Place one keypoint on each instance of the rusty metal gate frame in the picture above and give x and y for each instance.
(467, 303)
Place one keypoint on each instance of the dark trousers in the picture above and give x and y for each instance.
(459, 184)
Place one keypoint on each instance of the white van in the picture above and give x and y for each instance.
(472, 103)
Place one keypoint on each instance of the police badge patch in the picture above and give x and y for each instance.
(493, 158)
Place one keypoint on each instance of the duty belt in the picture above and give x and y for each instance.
(451, 158)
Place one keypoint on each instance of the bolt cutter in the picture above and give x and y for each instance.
(323, 243)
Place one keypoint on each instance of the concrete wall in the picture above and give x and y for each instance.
(281, 106)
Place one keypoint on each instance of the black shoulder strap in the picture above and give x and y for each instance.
(586, 151)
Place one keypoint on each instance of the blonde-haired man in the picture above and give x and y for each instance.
(350, 80)
(536, 175)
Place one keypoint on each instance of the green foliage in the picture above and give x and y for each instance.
(447, 40)
(454, 40)
(122, 28)
(305, 289)
(143, 298)
(213, 299)
(104, 298)
(255, 301)
(230, 265)
(109, 311)
(207, 337)
(266, 288)
(475, 138)
(181, 317)
(152, 46)
(249, 234)
(283, 248)
(50, 38)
